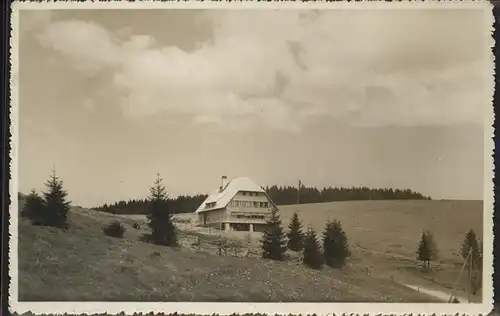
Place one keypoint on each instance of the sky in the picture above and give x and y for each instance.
(377, 98)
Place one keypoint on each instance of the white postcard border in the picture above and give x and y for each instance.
(242, 308)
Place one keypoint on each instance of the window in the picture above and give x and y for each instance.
(241, 216)
(209, 205)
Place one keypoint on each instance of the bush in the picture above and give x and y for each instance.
(34, 206)
(115, 229)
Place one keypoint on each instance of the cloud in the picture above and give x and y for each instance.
(281, 69)
(89, 47)
(31, 20)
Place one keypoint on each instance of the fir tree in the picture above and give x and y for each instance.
(163, 231)
(312, 254)
(295, 235)
(274, 239)
(470, 244)
(335, 245)
(34, 206)
(56, 204)
(472, 252)
(427, 250)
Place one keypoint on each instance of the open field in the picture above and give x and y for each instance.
(83, 264)
(384, 235)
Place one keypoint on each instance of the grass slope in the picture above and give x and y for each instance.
(384, 235)
(82, 264)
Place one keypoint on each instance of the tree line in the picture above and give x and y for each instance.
(180, 204)
(280, 195)
(288, 195)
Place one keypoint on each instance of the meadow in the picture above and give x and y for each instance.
(84, 264)
(384, 235)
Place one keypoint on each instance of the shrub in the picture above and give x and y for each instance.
(34, 206)
(114, 229)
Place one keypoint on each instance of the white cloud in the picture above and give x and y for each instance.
(31, 20)
(364, 67)
(89, 46)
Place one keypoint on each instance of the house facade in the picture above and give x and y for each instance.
(237, 205)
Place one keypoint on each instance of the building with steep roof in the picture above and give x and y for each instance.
(239, 204)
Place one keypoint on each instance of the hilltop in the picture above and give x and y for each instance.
(84, 264)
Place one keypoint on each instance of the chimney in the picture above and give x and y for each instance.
(223, 183)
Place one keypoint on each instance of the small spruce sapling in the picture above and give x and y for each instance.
(163, 230)
(472, 252)
(427, 250)
(312, 254)
(56, 204)
(274, 240)
(335, 245)
(295, 235)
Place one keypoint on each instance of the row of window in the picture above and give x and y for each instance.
(250, 193)
(251, 216)
(248, 204)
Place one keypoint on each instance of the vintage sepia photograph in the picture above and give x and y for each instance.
(236, 158)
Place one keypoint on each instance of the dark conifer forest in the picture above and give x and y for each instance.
(281, 195)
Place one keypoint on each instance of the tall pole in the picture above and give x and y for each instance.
(470, 274)
(298, 192)
(460, 274)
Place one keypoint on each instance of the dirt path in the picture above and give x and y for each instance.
(435, 293)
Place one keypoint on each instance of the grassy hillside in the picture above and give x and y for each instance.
(384, 235)
(82, 264)
(395, 226)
